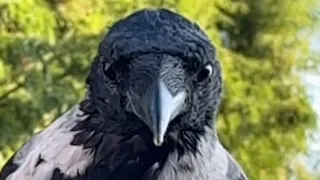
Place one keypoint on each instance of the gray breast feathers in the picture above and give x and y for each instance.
(52, 147)
(212, 162)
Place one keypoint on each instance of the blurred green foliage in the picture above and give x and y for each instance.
(47, 46)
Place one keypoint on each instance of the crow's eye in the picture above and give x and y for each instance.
(110, 71)
(116, 70)
(204, 73)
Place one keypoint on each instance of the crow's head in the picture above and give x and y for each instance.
(163, 69)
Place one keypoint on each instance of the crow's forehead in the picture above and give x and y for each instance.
(156, 31)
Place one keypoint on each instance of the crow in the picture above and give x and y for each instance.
(153, 95)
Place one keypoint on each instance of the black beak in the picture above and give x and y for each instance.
(157, 107)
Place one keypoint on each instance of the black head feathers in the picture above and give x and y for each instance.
(156, 31)
(160, 67)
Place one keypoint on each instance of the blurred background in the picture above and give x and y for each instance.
(269, 50)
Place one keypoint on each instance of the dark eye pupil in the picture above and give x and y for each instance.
(111, 73)
(203, 75)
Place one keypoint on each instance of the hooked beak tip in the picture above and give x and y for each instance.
(158, 140)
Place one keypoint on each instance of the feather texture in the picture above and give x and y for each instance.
(211, 162)
(50, 150)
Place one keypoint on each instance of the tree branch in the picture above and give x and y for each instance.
(14, 89)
